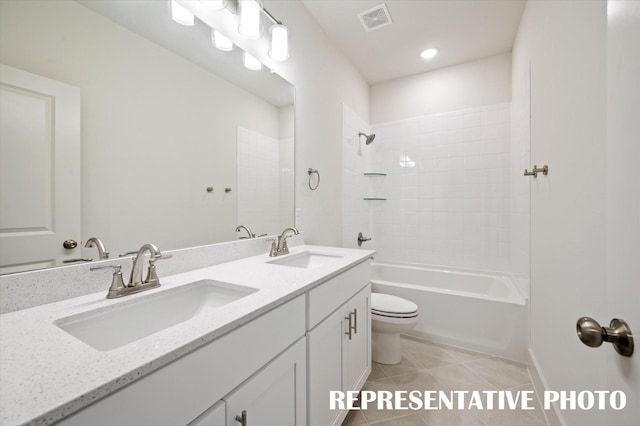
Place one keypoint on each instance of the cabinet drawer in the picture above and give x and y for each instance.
(329, 296)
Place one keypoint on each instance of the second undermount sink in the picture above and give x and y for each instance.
(128, 321)
(306, 259)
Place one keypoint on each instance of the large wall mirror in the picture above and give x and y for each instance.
(163, 116)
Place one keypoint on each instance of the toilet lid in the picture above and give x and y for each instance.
(388, 305)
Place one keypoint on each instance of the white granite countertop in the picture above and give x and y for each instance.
(48, 374)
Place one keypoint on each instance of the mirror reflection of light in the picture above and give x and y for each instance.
(215, 4)
(181, 15)
(406, 161)
(221, 42)
(251, 62)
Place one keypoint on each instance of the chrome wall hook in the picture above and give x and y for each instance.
(534, 172)
(618, 334)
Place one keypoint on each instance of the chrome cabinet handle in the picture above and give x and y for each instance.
(350, 326)
(618, 334)
(242, 419)
(355, 321)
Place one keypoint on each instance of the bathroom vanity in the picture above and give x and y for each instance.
(259, 340)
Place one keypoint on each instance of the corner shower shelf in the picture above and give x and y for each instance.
(374, 199)
(375, 174)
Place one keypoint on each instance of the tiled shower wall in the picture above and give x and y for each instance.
(446, 188)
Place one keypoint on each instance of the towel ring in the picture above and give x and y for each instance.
(311, 173)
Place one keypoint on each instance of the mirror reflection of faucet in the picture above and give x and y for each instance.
(136, 284)
(103, 253)
(246, 228)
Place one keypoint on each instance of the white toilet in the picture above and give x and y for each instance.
(390, 316)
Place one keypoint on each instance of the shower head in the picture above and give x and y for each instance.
(369, 138)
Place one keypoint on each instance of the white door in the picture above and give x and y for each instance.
(39, 170)
(623, 199)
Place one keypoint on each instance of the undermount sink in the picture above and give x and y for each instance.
(306, 259)
(123, 323)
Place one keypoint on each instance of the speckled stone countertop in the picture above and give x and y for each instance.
(48, 374)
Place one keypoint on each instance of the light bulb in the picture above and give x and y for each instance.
(250, 11)
(220, 41)
(279, 43)
(251, 62)
(181, 15)
(429, 53)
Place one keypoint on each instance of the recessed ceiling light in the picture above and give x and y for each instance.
(429, 53)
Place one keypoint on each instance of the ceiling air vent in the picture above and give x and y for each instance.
(376, 17)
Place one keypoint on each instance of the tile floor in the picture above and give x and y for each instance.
(431, 366)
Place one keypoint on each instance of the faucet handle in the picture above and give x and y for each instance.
(152, 275)
(161, 257)
(117, 283)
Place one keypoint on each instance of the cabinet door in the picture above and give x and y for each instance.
(324, 350)
(276, 395)
(214, 416)
(357, 351)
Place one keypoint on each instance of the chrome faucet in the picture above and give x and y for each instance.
(136, 284)
(136, 272)
(97, 242)
(246, 228)
(280, 247)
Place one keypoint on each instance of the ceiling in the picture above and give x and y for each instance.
(462, 31)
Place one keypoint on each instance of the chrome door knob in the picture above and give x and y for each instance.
(618, 334)
(70, 244)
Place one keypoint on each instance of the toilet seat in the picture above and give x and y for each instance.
(388, 306)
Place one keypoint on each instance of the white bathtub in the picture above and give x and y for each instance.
(481, 311)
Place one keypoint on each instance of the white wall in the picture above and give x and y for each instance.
(565, 42)
(156, 129)
(472, 84)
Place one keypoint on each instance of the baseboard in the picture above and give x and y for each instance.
(554, 417)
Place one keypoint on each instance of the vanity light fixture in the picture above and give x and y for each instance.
(250, 26)
(250, 11)
(429, 53)
(181, 15)
(279, 42)
(215, 4)
(220, 41)
(251, 62)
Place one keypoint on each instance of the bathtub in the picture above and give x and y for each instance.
(481, 311)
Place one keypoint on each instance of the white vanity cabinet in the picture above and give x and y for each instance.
(277, 369)
(249, 358)
(214, 416)
(275, 395)
(339, 346)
